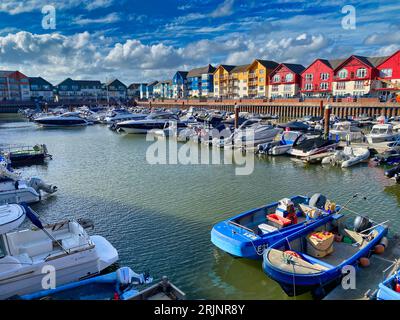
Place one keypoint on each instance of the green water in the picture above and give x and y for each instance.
(159, 217)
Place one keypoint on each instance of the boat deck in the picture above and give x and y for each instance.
(368, 279)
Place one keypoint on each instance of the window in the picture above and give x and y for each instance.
(262, 71)
(324, 86)
(385, 73)
(308, 86)
(343, 74)
(276, 78)
(275, 88)
(261, 88)
(359, 85)
(289, 77)
(261, 79)
(324, 76)
(287, 87)
(341, 86)
(309, 77)
(361, 73)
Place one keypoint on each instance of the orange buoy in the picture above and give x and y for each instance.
(379, 249)
(364, 262)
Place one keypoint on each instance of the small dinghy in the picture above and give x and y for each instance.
(312, 259)
(390, 288)
(118, 285)
(348, 157)
(248, 234)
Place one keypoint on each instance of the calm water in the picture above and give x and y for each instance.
(159, 217)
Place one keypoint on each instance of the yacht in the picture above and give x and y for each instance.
(154, 121)
(64, 247)
(14, 189)
(344, 130)
(382, 133)
(119, 115)
(68, 119)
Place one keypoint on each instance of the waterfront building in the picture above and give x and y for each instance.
(258, 77)
(79, 90)
(133, 91)
(388, 80)
(142, 91)
(14, 86)
(163, 89)
(285, 81)
(179, 85)
(238, 82)
(152, 90)
(221, 80)
(115, 90)
(200, 81)
(40, 89)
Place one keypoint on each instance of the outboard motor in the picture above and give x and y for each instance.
(40, 185)
(318, 201)
(126, 276)
(362, 223)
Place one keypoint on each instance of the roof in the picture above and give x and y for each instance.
(183, 73)
(296, 68)
(226, 67)
(242, 68)
(80, 82)
(134, 86)
(153, 83)
(269, 64)
(39, 81)
(114, 82)
(200, 71)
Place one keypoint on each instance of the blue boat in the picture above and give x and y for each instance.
(284, 144)
(248, 234)
(118, 285)
(387, 289)
(312, 259)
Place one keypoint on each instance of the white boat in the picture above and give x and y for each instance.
(14, 189)
(154, 121)
(68, 119)
(251, 133)
(312, 146)
(382, 133)
(283, 145)
(26, 256)
(344, 130)
(119, 115)
(348, 157)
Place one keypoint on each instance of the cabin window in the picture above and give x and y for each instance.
(361, 73)
(289, 77)
(385, 73)
(324, 76)
(343, 74)
(3, 252)
(277, 78)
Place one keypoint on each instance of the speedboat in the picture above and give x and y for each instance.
(283, 145)
(14, 189)
(118, 285)
(312, 259)
(393, 173)
(350, 156)
(119, 115)
(382, 133)
(312, 146)
(390, 156)
(389, 289)
(248, 234)
(68, 119)
(64, 250)
(296, 126)
(344, 130)
(154, 121)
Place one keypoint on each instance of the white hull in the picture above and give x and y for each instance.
(62, 125)
(279, 150)
(25, 194)
(372, 139)
(300, 153)
(134, 130)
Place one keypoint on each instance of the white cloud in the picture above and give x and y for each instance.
(110, 18)
(96, 4)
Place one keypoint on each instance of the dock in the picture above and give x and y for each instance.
(368, 279)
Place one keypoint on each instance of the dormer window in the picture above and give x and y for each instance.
(289, 77)
(343, 74)
(277, 78)
(361, 73)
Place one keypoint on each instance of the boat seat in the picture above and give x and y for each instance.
(36, 248)
(355, 236)
(266, 228)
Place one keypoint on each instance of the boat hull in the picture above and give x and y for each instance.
(21, 195)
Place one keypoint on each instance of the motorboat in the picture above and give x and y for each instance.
(283, 145)
(250, 134)
(68, 119)
(248, 234)
(382, 133)
(390, 156)
(120, 115)
(19, 155)
(345, 131)
(14, 189)
(347, 157)
(296, 126)
(118, 285)
(389, 289)
(312, 259)
(154, 121)
(393, 173)
(64, 249)
(312, 146)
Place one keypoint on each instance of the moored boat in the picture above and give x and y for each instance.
(389, 289)
(248, 234)
(68, 119)
(283, 145)
(312, 146)
(382, 133)
(347, 157)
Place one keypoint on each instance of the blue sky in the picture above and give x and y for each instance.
(148, 40)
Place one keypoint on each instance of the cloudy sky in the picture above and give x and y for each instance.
(146, 40)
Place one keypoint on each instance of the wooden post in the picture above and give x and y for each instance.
(237, 110)
(327, 117)
(321, 108)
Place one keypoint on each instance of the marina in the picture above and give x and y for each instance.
(141, 217)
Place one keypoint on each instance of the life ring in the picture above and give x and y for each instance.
(292, 253)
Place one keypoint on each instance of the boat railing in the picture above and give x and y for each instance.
(241, 226)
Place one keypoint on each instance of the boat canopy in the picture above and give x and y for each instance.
(11, 217)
